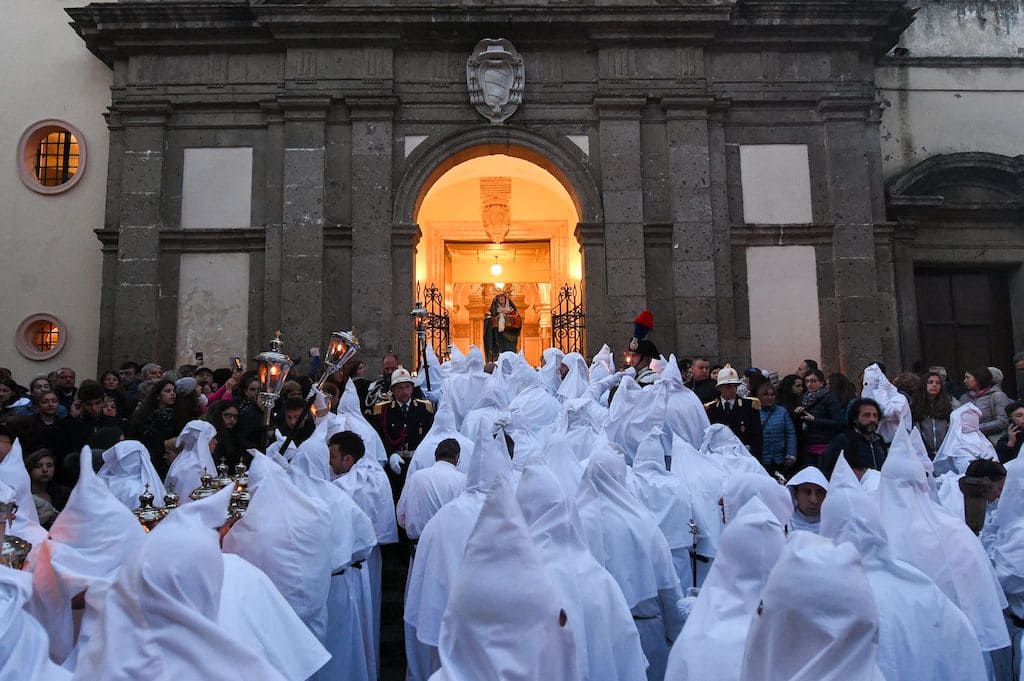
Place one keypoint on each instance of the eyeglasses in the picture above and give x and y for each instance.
(228, 416)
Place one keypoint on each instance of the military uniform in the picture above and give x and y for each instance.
(402, 428)
(743, 419)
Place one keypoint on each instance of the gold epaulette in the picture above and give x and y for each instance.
(379, 407)
(708, 405)
(754, 402)
(426, 403)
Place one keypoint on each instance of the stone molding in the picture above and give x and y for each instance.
(371, 108)
(625, 108)
(658, 234)
(405, 235)
(590, 234)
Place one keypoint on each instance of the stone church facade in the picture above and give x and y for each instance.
(267, 159)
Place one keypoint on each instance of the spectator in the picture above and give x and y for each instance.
(154, 421)
(190, 405)
(152, 372)
(907, 383)
(984, 394)
(250, 413)
(842, 387)
(87, 414)
(204, 380)
(111, 382)
(224, 416)
(38, 386)
(779, 450)
(49, 497)
(131, 384)
(821, 416)
(752, 380)
(1008, 446)
(11, 400)
(701, 381)
(355, 371)
(805, 366)
(6, 441)
(860, 443)
(1018, 366)
(65, 387)
(46, 430)
(931, 406)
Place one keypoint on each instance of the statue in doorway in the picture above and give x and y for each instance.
(502, 326)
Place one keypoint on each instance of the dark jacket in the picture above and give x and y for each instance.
(859, 451)
(828, 420)
(744, 420)
(1005, 451)
(707, 390)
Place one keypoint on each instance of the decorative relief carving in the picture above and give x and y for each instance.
(495, 196)
(496, 78)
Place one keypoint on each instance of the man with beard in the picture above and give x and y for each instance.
(860, 443)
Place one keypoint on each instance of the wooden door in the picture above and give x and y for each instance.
(964, 318)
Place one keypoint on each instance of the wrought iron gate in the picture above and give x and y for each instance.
(567, 320)
(437, 323)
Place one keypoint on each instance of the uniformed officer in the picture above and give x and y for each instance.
(403, 422)
(640, 359)
(741, 414)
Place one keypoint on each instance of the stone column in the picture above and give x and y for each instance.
(595, 283)
(302, 221)
(622, 197)
(373, 308)
(694, 245)
(404, 238)
(140, 185)
(853, 239)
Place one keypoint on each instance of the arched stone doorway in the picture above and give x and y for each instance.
(491, 223)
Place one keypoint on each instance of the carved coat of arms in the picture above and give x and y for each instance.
(496, 77)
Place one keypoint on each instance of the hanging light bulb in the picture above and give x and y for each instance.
(496, 268)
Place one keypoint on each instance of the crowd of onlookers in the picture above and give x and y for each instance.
(53, 416)
(807, 417)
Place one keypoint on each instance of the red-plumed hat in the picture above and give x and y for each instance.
(642, 326)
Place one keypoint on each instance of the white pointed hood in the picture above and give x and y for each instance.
(806, 628)
(127, 469)
(442, 543)
(904, 595)
(195, 457)
(624, 538)
(895, 407)
(685, 416)
(711, 643)
(505, 619)
(938, 544)
(964, 441)
(607, 642)
(703, 475)
(163, 608)
(575, 382)
(443, 428)
(662, 493)
(14, 473)
(721, 441)
(634, 411)
(24, 647)
(740, 488)
(603, 364)
(1008, 548)
(350, 417)
(549, 374)
(283, 533)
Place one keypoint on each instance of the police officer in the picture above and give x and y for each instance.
(403, 421)
(741, 414)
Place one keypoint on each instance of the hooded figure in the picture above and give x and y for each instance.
(742, 487)
(194, 458)
(634, 411)
(964, 441)
(603, 364)
(626, 540)
(505, 619)
(807, 628)
(575, 382)
(159, 617)
(349, 634)
(87, 544)
(466, 384)
(607, 643)
(947, 647)
(667, 498)
(550, 372)
(350, 417)
(283, 533)
(16, 486)
(941, 546)
(894, 404)
(685, 415)
(711, 643)
(127, 469)
(443, 429)
(720, 440)
(1008, 549)
(438, 556)
(703, 477)
(808, 488)
(24, 648)
(490, 405)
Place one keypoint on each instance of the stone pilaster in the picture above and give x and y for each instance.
(373, 311)
(693, 234)
(404, 238)
(302, 220)
(137, 306)
(622, 197)
(853, 239)
(591, 238)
